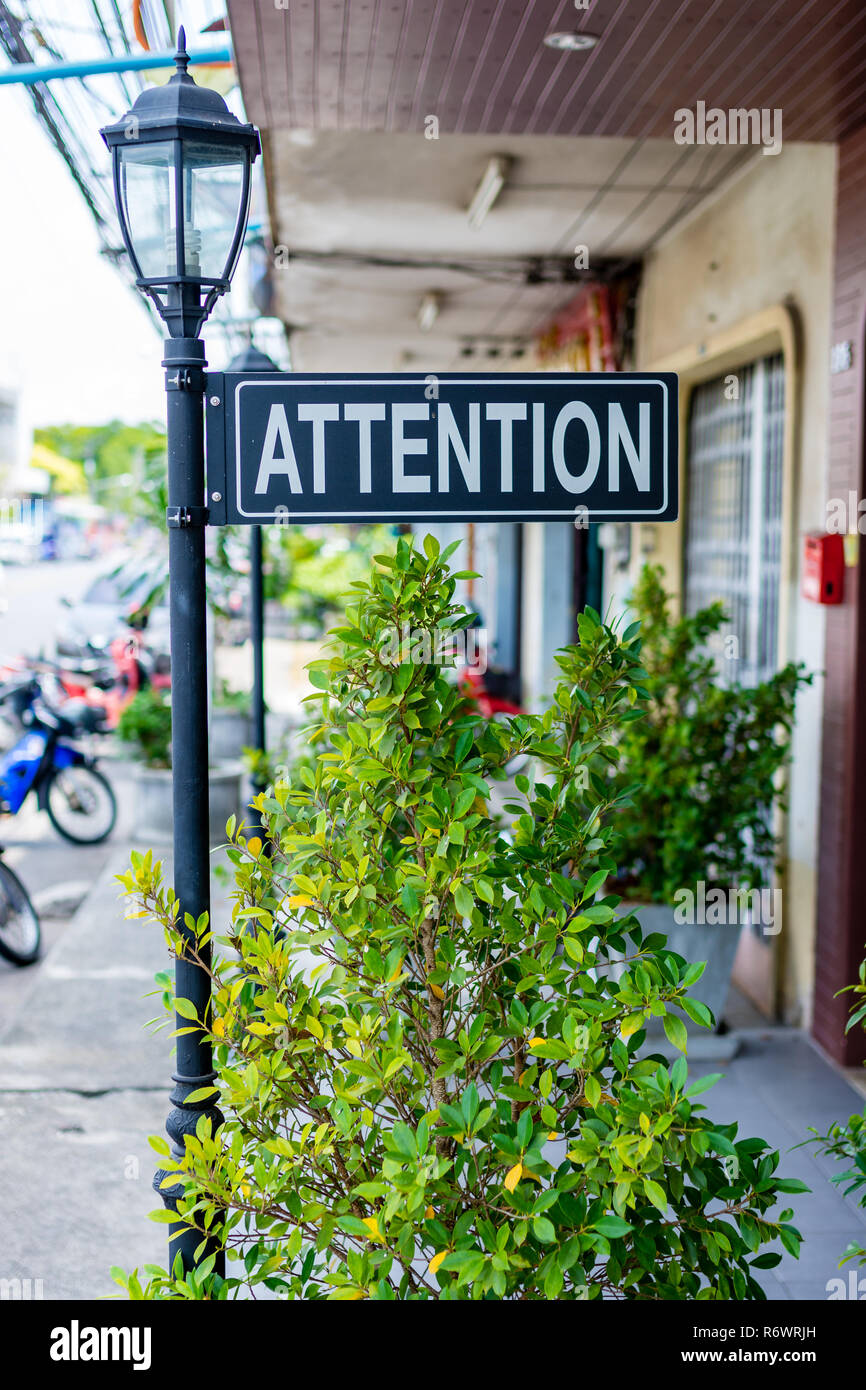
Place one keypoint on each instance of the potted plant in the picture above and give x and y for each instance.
(145, 725)
(433, 1087)
(231, 727)
(702, 765)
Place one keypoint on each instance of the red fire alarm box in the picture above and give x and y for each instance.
(823, 567)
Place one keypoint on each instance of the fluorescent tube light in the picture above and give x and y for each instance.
(489, 189)
(428, 310)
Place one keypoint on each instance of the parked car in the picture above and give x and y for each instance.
(103, 612)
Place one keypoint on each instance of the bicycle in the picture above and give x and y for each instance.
(20, 930)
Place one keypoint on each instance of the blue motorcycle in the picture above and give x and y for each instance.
(46, 761)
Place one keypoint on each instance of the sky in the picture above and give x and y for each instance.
(77, 343)
(75, 340)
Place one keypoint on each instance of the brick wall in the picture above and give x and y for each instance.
(841, 910)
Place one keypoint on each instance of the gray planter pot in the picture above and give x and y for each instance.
(231, 730)
(716, 943)
(153, 802)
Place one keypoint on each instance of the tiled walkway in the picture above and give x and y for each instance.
(776, 1087)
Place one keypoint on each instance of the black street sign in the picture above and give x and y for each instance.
(461, 446)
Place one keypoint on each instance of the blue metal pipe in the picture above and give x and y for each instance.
(30, 73)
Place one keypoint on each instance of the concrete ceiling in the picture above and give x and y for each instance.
(338, 199)
(342, 90)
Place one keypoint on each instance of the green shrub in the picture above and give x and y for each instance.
(847, 1142)
(146, 724)
(705, 762)
(228, 699)
(433, 1083)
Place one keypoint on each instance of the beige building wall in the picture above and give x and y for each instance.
(750, 272)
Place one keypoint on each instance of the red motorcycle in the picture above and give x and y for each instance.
(107, 682)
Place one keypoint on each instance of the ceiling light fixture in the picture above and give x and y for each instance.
(428, 310)
(572, 42)
(491, 185)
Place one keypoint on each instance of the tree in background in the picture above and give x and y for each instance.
(124, 464)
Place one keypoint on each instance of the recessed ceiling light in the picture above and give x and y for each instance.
(574, 42)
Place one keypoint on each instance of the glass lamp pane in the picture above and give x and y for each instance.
(213, 179)
(147, 192)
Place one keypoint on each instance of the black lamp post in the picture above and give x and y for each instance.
(182, 166)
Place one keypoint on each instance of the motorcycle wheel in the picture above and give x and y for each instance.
(20, 932)
(81, 804)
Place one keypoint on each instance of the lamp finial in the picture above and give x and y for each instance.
(181, 57)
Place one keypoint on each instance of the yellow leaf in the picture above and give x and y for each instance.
(513, 1177)
(300, 900)
(437, 991)
(534, 1176)
(630, 1025)
(552, 1134)
(355, 1295)
(436, 1261)
(219, 1027)
(429, 1213)
(534, 1042)
(254, 846)
(372, 1224)
(397, 973)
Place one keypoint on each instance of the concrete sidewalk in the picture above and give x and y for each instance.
(82, 1085)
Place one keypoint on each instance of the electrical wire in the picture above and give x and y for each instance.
(520, 270)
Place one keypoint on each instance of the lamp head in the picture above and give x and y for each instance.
(182, 184)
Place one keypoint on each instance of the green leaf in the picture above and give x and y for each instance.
(656, 1194)
(676, 1032)
(697, 1012)
(543, 1230)
(612, 1226)
(703, 1083)
(720, 1143)
(592, 1091)
(791, 1185)
(463, 900)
